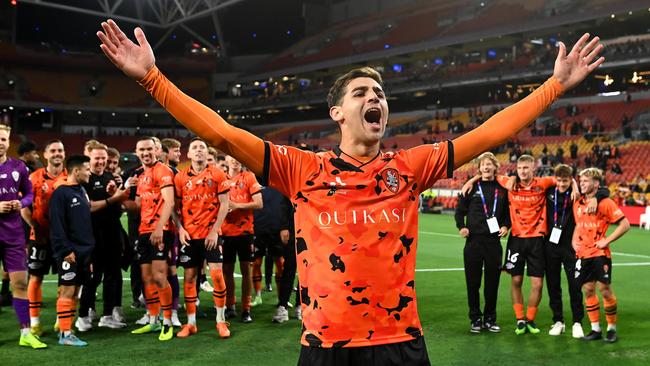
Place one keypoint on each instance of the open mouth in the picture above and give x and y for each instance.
(373, 116)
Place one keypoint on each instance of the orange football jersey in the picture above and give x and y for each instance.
(356, 239)
(43, 186)
(198, 194)
(150, 182)
(242, 188)
(592, 227)
(528, 206)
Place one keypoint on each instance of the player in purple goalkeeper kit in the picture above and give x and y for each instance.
(15, 193)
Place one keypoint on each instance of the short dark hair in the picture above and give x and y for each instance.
(50, 142)
(145, 138)
(563, 171)
(26, 146)
(76, 161)
(337, 91)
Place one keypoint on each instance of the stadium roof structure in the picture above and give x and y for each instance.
(164, 14)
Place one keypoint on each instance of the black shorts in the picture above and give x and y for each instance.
(528, 252)
(410, 353)
(147, 252)
(40, 261)
(73, 274)
(241, 246)
(268, 244)
(594, 269)
(193, 255)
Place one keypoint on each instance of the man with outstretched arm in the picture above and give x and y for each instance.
(352, 312)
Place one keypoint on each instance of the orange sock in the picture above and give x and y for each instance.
(165, 294)
(531, 312)
(279, 268)
(519, 311)
(610, 310)
(35, 296)
(65, 310)
(219, 293)
(246, 303)
(257, 275)
(190, 297)
(152, 298)
(593, 308)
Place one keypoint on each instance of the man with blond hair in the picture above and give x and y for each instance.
(592, 246)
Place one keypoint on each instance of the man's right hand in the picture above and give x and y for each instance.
(464, 232)
(183, 236)
(134, 60)
(70, 258)
(284, 236)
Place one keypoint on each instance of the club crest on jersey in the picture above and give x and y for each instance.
(188, 184)
(390, 177)
(15, 175)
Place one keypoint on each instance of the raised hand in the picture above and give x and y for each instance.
(570, 69)
(134, 60)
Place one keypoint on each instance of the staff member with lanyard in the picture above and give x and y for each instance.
(483, 230)
(559, 251)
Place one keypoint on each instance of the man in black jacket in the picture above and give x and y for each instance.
(559, 251)
(72, 241)
(486, 210)
(106, 257)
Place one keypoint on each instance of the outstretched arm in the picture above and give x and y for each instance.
(138, 62)
(570, 69)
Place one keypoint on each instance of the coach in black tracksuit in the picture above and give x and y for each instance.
(482, 248)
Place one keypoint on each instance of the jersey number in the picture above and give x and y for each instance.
(38, 254)
(512, 257)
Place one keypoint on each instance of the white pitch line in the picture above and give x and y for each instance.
(635, 264)
(236, 275)
(458, 236)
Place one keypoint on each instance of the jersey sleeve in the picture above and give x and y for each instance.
(26, 188)
(252, 184)
(164, 176)
(287, 168)
(503, 180)
(203, 121)
(547, 182)
(611, 211)
(505, 124)
(431, 162)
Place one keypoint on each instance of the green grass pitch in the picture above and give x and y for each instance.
(442, 305)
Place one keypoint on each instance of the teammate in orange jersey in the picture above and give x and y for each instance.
(591, 243)
(356, 207)
(40, 260)
(237, 230)
(155, 197)
(202, 198)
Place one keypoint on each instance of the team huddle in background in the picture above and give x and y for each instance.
(65, 217)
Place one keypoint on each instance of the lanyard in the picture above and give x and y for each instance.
(566, 202)
(494, 207)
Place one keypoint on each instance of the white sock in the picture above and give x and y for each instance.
(67, 333)
(34, 320)
(25, 331)
(258, 293)
(175, 312)
(611, 327)
(595, 327)
(167, 322)
(152, 319)
(221, 314)
(191, 318)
